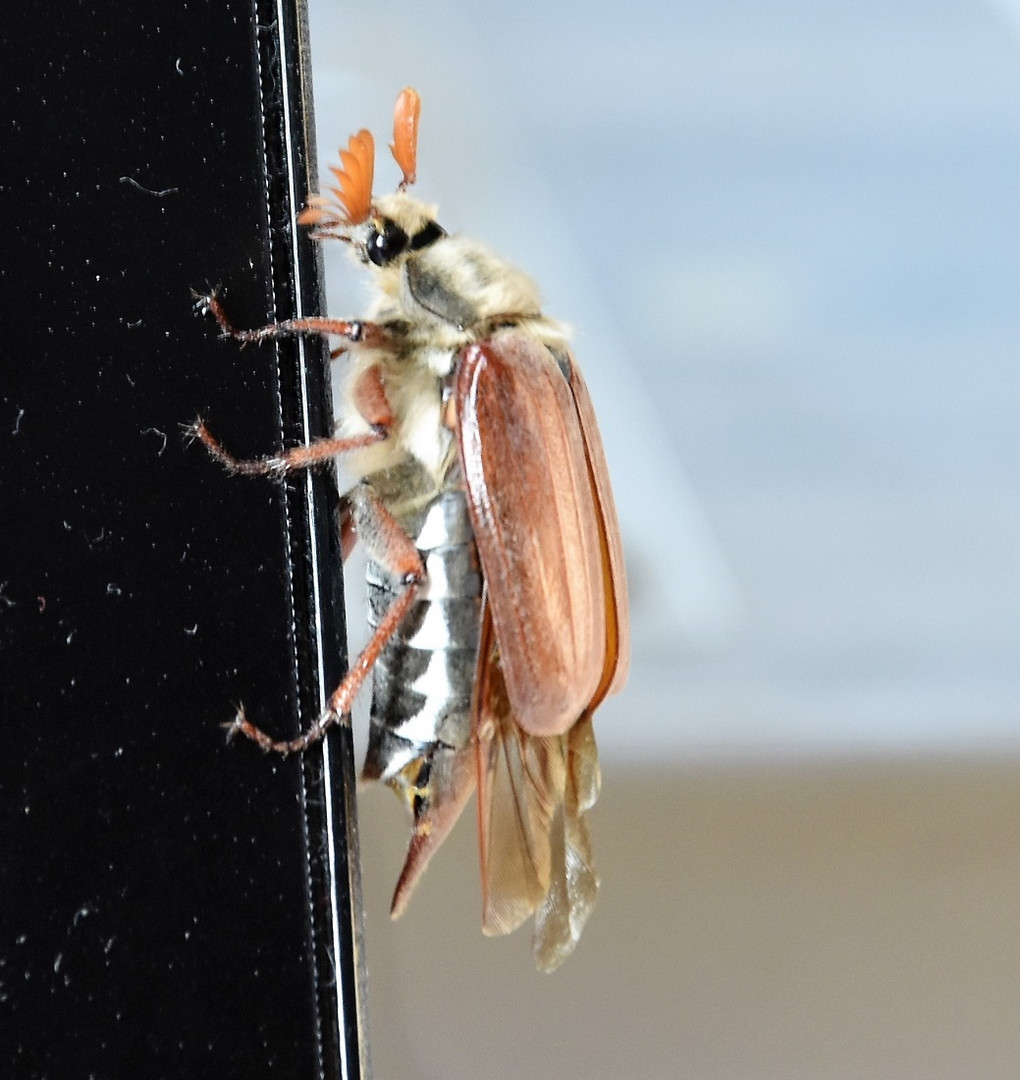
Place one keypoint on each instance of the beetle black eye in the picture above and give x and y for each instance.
(428, 234)
(384, 245)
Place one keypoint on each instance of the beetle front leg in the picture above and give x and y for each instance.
(353, 331)
(391, 547)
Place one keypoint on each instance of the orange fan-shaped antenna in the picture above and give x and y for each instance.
(355, 176)
(354, 195)
(405, 134)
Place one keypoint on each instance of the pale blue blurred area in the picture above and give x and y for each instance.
(788, 235)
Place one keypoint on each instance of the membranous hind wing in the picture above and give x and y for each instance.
(554, 636)
(535, 848)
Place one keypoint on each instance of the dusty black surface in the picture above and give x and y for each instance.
(164, 898)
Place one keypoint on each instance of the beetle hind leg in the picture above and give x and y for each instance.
(389, 545)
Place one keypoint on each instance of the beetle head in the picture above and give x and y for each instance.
(386, 229)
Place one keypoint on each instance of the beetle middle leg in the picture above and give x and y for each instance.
(371, 402)
(392, 548)
(297, 457)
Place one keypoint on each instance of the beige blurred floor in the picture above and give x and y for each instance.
(809, 921)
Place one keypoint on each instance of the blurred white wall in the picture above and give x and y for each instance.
(788, 236)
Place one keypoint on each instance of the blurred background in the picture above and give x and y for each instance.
(788, 236)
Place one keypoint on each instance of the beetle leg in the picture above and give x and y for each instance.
(348, 530)
(354, 331)
(393, 548)
(298, 457)
(369, 399)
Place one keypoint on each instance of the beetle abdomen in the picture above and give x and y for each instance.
(422, 681)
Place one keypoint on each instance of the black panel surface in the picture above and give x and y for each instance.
(166, 900)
